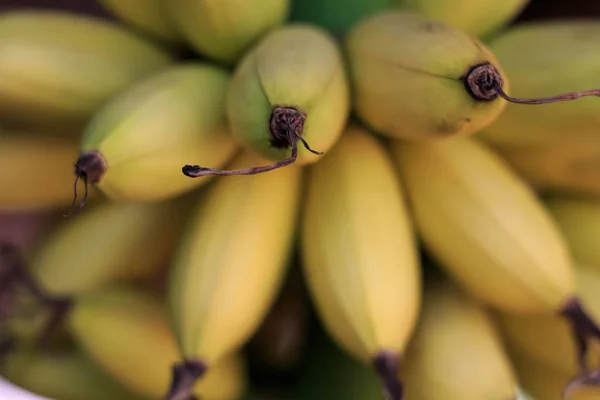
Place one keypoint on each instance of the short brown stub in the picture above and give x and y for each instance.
(481, 82)
(90, 168)
(386, 366)
(184, 377)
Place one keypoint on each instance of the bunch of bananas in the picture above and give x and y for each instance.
(421, 176)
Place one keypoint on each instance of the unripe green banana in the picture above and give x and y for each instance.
(290, 87)
(125, 331)
(359, 251)
(543, 59)
(231, 262)
(225, 29)
(58, 67)
(417, 79)
(62, 375)
(547, 338)
(436, 362)
(329, 15)
(147, 15)
(579, 220)
(134, 147)
(485, 226)
(479, 18)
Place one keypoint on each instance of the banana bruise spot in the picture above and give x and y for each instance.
(484, 83)
(184, 376)
(90, 168)
(286, 126)
(386, 366)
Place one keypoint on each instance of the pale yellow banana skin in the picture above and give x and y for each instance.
(547, 59)
(125, 331)
(63, 375)
(147, 15)
(477, 17)
(232, 259)
(149, 132)
(225, 29)
(579, 220)
(456, 352)
(485, 226)
(299, 66)
(359, 250)
(571, 167)
(549, 338)
(404, 92)
(57, 67)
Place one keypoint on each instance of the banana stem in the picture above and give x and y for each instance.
(90, 168)
(583, 327)
(184, 377)
(552, 99)
(386, 365)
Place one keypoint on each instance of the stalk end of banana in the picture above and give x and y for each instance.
(386, 366)
(286, 128)
(584, 329)
(184, 377)
(90, 168)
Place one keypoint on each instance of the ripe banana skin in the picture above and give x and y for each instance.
(548, 338)
(225, 29)
(232, 260)
(479, 18)
(141, 138)
(359, 251)
(570, 167)
(404, 92)
(579, 220)
(436, 363)
(485, 226)
(147, 15)
(61, 374)
(57, 67)
(547, 59)
(125, 331)
(297, 66)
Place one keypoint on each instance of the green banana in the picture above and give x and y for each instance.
(134, 146)
(58, 67)
(542, 59)
(62, 375)
(145, 15)
(579, 220)
(480, 18)
(359, 252)
(225, 29)
(417, 79)
(231, 263)
(436, 363)
(329, 15)
(125, 331)
(290, 87)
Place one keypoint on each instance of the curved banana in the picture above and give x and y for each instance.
(359, 251)
(417, 79)
(231, 262)
(58, 67)
(125, 332)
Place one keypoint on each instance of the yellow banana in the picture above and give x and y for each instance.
(415, 78)
(545, 59)
(62, 375)
(125, 331)
(579, 220)
(225, 29)
(359, 251)
(479, 18)
(437, 364)
(231, 263)
(135, 145)
(290, 87)
(58, 67)
(147, 15)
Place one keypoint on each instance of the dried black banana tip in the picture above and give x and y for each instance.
(286, 126)
(583, 327)
(184, 377)
(90, 168)
(484, 83)
(386, 365)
